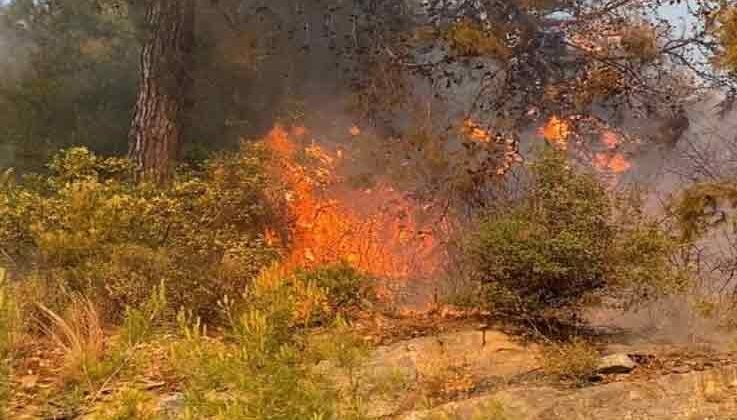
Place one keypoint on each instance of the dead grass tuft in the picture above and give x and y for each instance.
(575, 361)
(79, 334)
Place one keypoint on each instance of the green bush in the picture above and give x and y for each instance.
(75, 81)
(345, 287)
(264, 370)
(566, 240)
(88, 228)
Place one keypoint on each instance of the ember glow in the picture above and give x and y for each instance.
(557, 131)
(616, 163)
(610, 139)
(380, 231)
(611, 160)
(474, 132)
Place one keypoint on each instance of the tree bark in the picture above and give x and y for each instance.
(166, 57)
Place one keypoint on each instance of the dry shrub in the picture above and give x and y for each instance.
(492, 410)
(716, 386)
(80, 335)
(442, 377)
(467, 38)
(127, 404)
(9, 325)
(575, 361)
(726, 32)
(640, 41)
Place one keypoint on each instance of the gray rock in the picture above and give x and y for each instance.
(616, 363)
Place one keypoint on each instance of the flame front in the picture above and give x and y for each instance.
(377, 230)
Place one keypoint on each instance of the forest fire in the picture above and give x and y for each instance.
(557, 131)
(611, 160)
(474, 132)
(377, 230)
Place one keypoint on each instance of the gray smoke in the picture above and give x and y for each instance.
(13, 50)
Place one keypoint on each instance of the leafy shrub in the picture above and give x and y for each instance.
(567, 240)
(262, 371)
(89, 228)
(575, 361)
(344, 286)
(344, 350)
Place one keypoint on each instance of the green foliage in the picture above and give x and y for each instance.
(564, 242)
(263, 370)
(138, 323)
(88, 228)
(344, 286)
(95, 363)
(549, 250)
(77, 84)
(575, 361)
(346, 351)
(640, 263)
(128, 404)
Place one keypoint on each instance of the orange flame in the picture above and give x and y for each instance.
(610, 139)
(376, 230)
(557, 131)
(611, 160)
(616, 163)
(474, 132)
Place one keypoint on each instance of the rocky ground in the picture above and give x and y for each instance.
(447, 367)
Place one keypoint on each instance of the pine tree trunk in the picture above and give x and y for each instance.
(156, 130)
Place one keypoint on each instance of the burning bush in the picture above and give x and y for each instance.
(568, 239)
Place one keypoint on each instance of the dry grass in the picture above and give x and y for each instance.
(443, 377)
(575, 361)
(717, 387)
(79, 334)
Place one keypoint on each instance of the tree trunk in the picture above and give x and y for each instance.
(166, 57)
